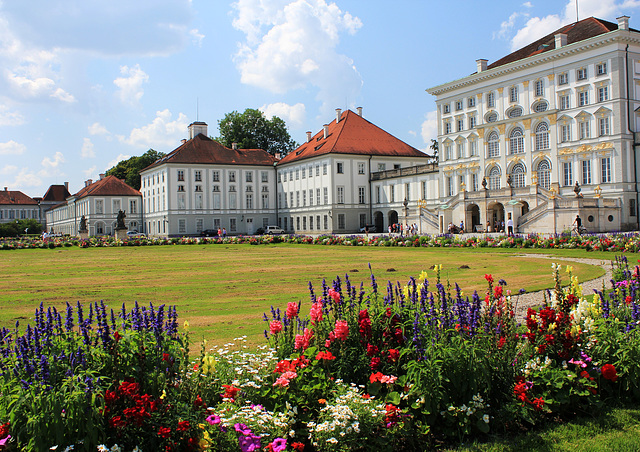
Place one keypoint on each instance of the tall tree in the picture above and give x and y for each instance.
(252, 130)
(129, 169)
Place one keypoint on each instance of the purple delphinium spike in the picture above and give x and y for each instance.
(311, 293)
(68, 323)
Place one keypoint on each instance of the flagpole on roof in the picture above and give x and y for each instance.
(577, 18)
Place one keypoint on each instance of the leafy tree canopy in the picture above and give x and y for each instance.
(129, 169)
(252, 130)
(20, 227)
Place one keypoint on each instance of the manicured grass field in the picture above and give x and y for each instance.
(222, 290)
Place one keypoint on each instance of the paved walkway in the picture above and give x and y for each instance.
(533, 299)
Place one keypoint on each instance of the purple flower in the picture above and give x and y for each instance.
(249, 443)
(214, 419)
(242, 428)
(279, 445)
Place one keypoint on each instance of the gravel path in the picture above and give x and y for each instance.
(533, 299)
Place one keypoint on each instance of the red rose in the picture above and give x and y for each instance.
(609, 372)
(164, 432)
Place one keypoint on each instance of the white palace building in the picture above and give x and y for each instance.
(539, 136)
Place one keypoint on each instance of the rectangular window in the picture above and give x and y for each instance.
(474, 148)
(447, 127)
(297, 199)
(581, 74)
(340, 168)
(180, 175)
(311, 197)
(325, 196)
(603, 93)
(564, 102)
(361, 195)
(471, 102)
(248, 176)
(603, 126)
(458, 105)
(392, 193)
(513, 94)
(232, 225)
(340, 195)
(290, 199)
(232, 201)
(460, 125)
(249, 201)
(324, 169)
(632, 207)
(216, 223)
(472, 122)
(304, 173)
(297, 173)
(491, 100)
(133, 206)
(182, 226)
(317, 196)
(539, 88)
(341, 221)
(198, 175)
(216, 176)
(311, 222)
(232, 176)
(360, 168)
(446, 108)
(116, 206)
(304, 198)
(199, 225)
(99, 206)
(601, 68)
(583, 98)
(460, 149)
(216, 201)
(584, 130)
(382, 166)
(198, 201)
(449, 186)
(586, 172)
(568, 176)
(565, 133)
(474, 182)
(325, 221)
(363, 220)
(378, 194)
(297, 223)
(605, 166)
(198, 188)
(304, 223)
(181, 201)
(317, 170)
(563, 79)
(265, 176)
(448, 152)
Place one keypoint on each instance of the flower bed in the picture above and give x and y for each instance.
(398, 368)
(621, 242)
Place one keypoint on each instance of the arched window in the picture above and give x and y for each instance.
(517, 175)
(542, 136)
(494, 178)
(493, 145)
(544, 174)
(516, 141)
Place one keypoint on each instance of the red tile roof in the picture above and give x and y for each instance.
(353, 135)
(109, 186)
(204, 150)
(56, 193)
(16, 198)
(576, 32)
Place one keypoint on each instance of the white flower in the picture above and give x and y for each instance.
(115, 448)
(485, 418)
(103, 448)
(332, 440)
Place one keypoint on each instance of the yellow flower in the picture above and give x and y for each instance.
(164, 395)
(423, 276)
(569, 269)
(405, 291)
(208, 364)
(186, 325)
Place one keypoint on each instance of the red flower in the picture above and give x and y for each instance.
(230, 391)
(538, 403)
(183, 426)
(297, 446)
(489, 278)
(292, 310)
(628, 299)
(376, 377)
(372, 350)
(117, 336)
(166, 357)
(375, 362)
(164, 432)
(497, 292)
(4, 429)
(117, 422)
(609, 372)
(325, 355)
(501, 342)
(394, 355)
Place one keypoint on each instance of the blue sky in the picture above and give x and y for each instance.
(86, 84)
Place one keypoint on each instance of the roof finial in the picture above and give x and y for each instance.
(577, 17)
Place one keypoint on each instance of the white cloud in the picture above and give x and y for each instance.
(196, 37)
(58, 158)
(430, 127)
(62, 95)
(507, 26)
(9, 169)
(10, 118)
(23, 178)
(527, 5)
(97, 129)
(292, 44)
(87, 149)
(537, 27)
(90, 171)
(119, 158)
(293, 115)
(130, 87)
(12, 148)
(162, 133)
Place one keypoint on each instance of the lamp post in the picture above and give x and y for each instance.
(405, 203)
(422, 204)
(598, 191)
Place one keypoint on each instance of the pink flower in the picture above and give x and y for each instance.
(316, 312)
(292, 309)
(335, 295)
(341, 330)
(275, 326)
(389, 379)
(302, 340)
(284, 379)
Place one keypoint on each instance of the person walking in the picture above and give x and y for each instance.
(510, 226)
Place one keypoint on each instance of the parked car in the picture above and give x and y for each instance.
(132, 234)
(259, 231)
(368, 228)
(209, 233)
(273, 230)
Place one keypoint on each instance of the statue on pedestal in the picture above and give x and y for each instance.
(82, 227)
(120, 220)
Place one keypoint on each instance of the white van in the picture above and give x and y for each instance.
(273, 230)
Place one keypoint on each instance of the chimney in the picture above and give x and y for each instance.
(623, 22)
(359, 111)
(196, 128)
(338, 113)
(88, 182)
(66, 186)
(561, 40)
(278, 156)
(308, 136)
(234, 146)
(5, 188)
(326, 130)
(101, 176)
(482, 65)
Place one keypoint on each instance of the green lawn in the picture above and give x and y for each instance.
(224, 289)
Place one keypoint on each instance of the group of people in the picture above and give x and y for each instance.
(499, 226)
(403, 229)
(453, 229)
(222, 232)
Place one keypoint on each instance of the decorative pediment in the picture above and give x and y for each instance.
(603, 111)
(565, 119)
(583, 115)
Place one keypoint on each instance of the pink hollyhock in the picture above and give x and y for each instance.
(292, 309)
(302, 340)
(341, 330)
(388, 379)
(275, 326)
(335, 295)
(316, 312)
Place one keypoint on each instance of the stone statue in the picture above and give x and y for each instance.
(484, 183)
(577, 190)
(120, 220)
(83, 224)
(509, 180)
